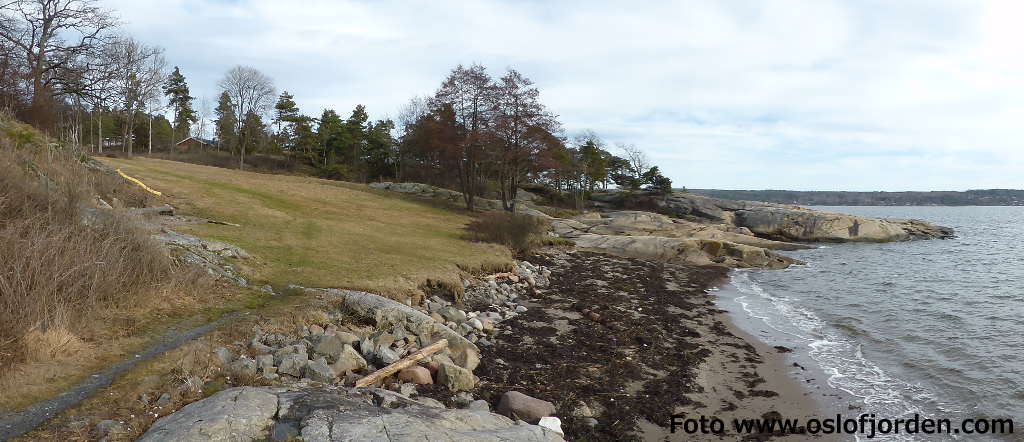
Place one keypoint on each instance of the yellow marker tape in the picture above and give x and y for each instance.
(154, 192)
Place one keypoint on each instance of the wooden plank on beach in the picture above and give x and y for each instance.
(405, 362)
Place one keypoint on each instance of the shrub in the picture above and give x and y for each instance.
(520, 233)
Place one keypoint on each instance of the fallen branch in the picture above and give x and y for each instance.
(500, 275)
(405, 362)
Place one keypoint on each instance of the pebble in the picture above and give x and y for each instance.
(520, 309)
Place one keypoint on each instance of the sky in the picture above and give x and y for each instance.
(857, 95)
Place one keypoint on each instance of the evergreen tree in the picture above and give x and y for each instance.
(657, 182)
(380, 149)
(176, 90)
(356, 128)
(286, 117)
(332, 136)
(253, 132)
(226, 122)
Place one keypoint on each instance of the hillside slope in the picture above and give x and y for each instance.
(320, 233)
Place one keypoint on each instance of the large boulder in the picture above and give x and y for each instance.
(243, 413)
(520, 406)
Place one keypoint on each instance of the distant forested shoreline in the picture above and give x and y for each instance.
(987, 197)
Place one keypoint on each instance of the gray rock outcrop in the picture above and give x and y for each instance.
(783, 222)
(244, 413)
(250, 414)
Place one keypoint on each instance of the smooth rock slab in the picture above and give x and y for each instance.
(253, 413)
(237, 414)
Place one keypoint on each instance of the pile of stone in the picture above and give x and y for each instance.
(341, 356)
(492, 299)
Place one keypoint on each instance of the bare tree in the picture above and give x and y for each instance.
(250, 91)
(50, 35)
(523, 127)
(638, 160)
(205, 111)
(408, 116)
(139, 75)
(470, 93)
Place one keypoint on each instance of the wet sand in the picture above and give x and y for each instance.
(633, 342)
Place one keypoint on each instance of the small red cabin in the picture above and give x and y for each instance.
(194, 142)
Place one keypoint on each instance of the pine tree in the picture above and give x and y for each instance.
(333, 137)
(253, 131)
(226, 122)
(286, 117)
(176, 90)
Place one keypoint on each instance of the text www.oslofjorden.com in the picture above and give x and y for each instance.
(867, 425)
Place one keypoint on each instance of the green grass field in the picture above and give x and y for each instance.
(321, 233)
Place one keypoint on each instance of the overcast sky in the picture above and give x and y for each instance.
(805, 95)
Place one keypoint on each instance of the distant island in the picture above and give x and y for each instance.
(987, 197)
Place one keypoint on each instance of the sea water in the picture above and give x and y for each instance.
(934, 327)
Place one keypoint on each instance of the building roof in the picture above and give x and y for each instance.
(200, 140)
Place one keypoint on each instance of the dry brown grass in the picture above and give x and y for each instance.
(321, 233)
(71, 291)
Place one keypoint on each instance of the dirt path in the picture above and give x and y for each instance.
(18, 423)
(636, 342)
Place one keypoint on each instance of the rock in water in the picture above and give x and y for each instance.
(455, 378)
(518, 405)
(243, 413)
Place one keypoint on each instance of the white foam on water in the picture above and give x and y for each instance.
(839, 356)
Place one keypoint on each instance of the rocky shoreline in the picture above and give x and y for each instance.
(601, 341)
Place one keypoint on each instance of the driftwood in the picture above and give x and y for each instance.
(405, 362)
(500, 275)
(388, 313)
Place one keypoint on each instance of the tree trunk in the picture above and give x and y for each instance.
(151, 134)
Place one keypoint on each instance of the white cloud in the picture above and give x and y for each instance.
(808, 94)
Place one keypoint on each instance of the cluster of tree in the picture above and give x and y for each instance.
(480, 133)
(355, 148)
(65, 68)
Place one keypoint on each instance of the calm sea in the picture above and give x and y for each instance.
(930, 327)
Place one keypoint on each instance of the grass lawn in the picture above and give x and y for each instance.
(322, 233)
